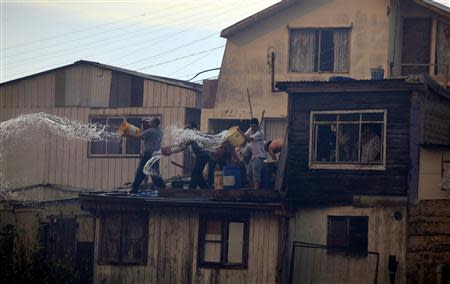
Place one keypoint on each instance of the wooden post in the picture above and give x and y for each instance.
(249, 103)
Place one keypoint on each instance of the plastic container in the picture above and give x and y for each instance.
(129, 129)
(235, 136)
(377, 73)
(268, 175)
(218, 180)
(231, 177)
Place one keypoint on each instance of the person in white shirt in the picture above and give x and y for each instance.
(254, 169)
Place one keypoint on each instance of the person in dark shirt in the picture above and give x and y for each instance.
(152, 136)
(201, 158)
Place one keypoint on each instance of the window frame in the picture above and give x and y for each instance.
(312, 164)
(123, 216)
(124, 143)
(349, 248)
(318, 30)
(225, 220)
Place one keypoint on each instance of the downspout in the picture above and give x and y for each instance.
(272, 73)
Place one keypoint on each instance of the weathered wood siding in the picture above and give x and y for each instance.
(172, 253)
(428, 240)
(323, 185)
(41, 158)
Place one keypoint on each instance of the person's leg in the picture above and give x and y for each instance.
(257, 171)
(201, 179)
(211, 167)
(157, 180)
(139, 177)
(194, 174)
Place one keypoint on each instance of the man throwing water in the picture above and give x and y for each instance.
(152, 135)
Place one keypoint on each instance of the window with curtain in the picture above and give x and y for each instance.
(319, 50)
(223, 241)
(348, 139)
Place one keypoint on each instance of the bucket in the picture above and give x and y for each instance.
(235, 136)
(231, 177)
(129, 129)
(377, 73)
(218, 180)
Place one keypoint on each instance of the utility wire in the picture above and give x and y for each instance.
(179, 58)
(189, 64)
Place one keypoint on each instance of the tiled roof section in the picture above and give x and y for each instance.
(170, 81)
(272, 10)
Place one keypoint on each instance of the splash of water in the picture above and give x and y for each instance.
(181, 136)
(18, 129)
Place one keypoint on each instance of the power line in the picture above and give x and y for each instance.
(179, 58)
(189, 64)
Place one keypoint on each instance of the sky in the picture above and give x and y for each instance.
(176, 38)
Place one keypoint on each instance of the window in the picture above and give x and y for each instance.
(123, 147)
(416, 45)
(348, 139)
(319, 50)
(123, 238)
(223, 241)
(126, 90)
(348, 234)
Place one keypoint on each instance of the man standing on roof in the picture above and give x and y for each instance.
(152, 135)
(256, 137)
(201, 157)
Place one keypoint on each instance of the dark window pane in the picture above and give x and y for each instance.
(359, 227)
(133, 247)
(137, 91)
(326, 143)
(375, 116)
(114, 147)
(325, 117)
(98, 147)
(110, 238)
(120, 95)
(416, 45)
(338, 234)
(349, 117)
(326, 56)
(133, 146)
(371, 143)
(213, 230)
(348, 142)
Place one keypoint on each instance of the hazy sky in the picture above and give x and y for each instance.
(173, 38)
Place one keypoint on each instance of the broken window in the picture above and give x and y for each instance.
(124, 147)
(348, 137)
(223, 241)
(319, 50)
(123, 238)
(348, 234)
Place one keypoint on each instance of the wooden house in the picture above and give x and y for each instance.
(357, 174)
(297, 40)
(89, 92)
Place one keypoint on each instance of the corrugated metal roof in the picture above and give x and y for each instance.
(272, 10)
(170, 81)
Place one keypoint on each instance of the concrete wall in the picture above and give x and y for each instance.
(386, 235)
(432, 172)
(245, 62)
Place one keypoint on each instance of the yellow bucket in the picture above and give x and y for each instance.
(235, 136)
(129, 129)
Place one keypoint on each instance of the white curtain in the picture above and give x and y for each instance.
(303, 51)
(340, 39)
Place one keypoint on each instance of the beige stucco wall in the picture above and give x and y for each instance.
(430, 174)
(245, 62)
(387, 236)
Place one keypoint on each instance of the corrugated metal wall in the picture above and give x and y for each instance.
(57, 160)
